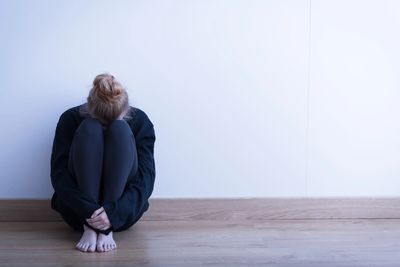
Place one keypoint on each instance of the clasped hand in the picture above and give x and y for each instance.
(99, 219)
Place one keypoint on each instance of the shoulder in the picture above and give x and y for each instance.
(139, 116)
(140, 123)
(71, 115)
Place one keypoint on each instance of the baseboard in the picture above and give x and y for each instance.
(173, 209)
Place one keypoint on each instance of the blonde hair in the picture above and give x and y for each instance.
(107, 99)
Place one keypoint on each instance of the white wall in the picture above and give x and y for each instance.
(248, 98)
(354, 140)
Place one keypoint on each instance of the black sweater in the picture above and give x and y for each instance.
(134, 200)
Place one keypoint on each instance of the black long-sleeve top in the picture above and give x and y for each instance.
(139, 187)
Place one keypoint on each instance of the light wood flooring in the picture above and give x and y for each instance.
(289, 242)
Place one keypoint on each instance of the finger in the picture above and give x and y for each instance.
(97, 225)
(96, 219)
(97, 222)
(91, 220)
(107, 226)
(97, 212)
(101, 214)
(91, 225)
(101, 227)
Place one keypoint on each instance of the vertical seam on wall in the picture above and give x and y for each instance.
(307, 130)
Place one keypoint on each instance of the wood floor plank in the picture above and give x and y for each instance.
(187, 209)
(211, 243)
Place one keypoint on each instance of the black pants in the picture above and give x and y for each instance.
(101, 159)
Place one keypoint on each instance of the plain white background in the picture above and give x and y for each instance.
(248, 98)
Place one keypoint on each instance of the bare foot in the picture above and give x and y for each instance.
(87, 243)
(105, 242)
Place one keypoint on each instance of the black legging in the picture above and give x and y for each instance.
(102, 159)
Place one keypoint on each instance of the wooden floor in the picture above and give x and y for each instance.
(345, 242)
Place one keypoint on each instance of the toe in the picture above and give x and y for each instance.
(92, 248)
(99, 247)
(82, 247)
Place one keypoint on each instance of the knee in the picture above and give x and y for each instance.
(118, 128)
(91, 127)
